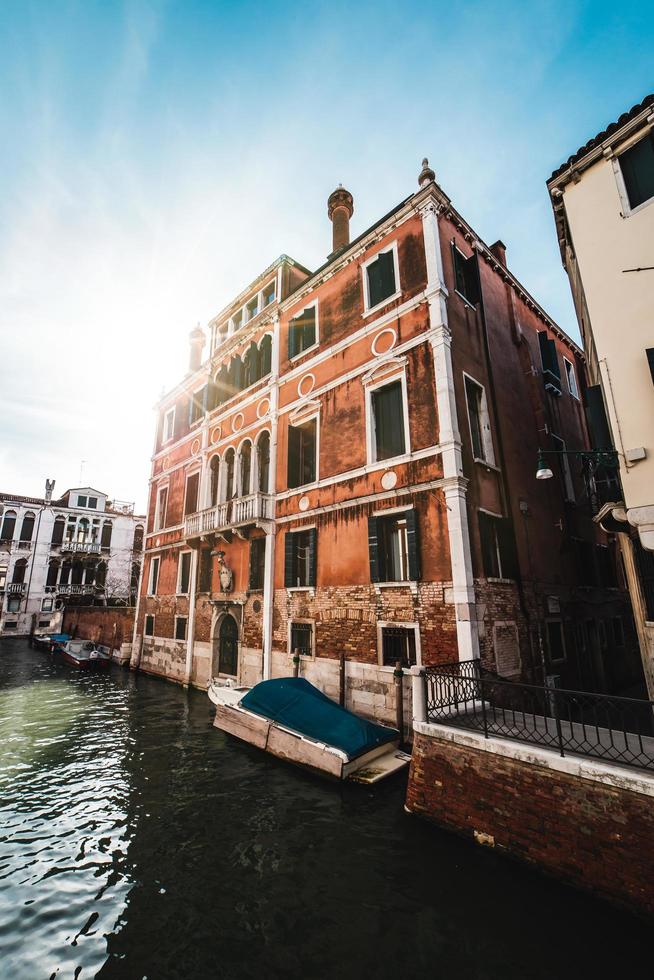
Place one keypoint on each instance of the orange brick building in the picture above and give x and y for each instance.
(350, 467)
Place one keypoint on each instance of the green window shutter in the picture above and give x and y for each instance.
(292, 339)
(289, 560)
(313, 541)
(598, 424)
(293, 460)
(413, 545)
(373, 548)
(265, 356)
(381, 278)
(389, 421)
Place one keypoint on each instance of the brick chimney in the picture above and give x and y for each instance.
(340, 208)
(196, 341)
(498, 249)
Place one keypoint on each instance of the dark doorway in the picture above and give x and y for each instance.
(228, 647)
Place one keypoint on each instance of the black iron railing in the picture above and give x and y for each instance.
(466, 695)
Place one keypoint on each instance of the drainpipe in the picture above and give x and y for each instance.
(269, 558)
(190, 626)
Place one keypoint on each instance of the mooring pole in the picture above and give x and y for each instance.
(296, 662)
(341, 680)
(398, 674)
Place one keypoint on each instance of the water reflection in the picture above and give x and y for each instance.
(137, 841)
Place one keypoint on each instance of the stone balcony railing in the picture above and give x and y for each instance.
(81, 547)
(15, 588)
(76, 589)
(230, 514)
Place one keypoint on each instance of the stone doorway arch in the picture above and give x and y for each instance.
(225, 647)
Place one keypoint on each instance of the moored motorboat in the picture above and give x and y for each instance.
(293, 720)
(49, 642)
(85, 655)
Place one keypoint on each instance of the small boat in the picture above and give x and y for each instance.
(293, 720)
(85, 655)
(48, 641)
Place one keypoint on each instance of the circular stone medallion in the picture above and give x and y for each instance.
(389, 479)
(304, 503)
(263, 408)
(195, 447)
(237, 422)
(306, 385)
(215, 434)
(383, 342)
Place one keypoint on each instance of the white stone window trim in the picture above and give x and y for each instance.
(157, 559)
(158, 525)
(194, 470)
(371, 448)
(168, 438)
(408, 583)
(486, 430)
(301, 619)
(297, 313)
(570, 373)
(402, 624)
(177, 639)
(184, 551)
(627, 210)
(367, 308)
(296, 420)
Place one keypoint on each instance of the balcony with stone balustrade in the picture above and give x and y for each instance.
(232, 516)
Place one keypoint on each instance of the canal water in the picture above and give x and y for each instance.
(136, 841)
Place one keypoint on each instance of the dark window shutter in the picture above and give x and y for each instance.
(389, 421)
(637, 165)
(598, 424)
(58, 532)
(508, 555)
(373, 548)
(381, 278)
(313, 541)
(289, 560)
(549, 356)
(265, 356)
(487, 539)
(471, 279)
(105, 540)
(292, 339)
(27, 529)
(293, 462)
(413, 545)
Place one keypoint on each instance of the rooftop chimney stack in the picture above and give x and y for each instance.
(426, 175)
(340, 208)
(498, 249)
(49, 487)
(196, 341)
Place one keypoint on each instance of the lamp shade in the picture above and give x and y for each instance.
(543, 472)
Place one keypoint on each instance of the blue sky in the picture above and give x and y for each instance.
(157, 155)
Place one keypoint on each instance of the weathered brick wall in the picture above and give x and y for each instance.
(111, 625)
(592, 835)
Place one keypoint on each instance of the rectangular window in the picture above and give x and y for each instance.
(269, 293)
(81, 500)
(393, 548)
(637, 166)
(252, 308)
(555, 640)
(497, 547)
(302, 453)
(93, 503)
(47, 605)
(191, 495)
(257, 562)
(162, 506)
(148, 627)
(237, 321)
(302, 331)
(180, 627)
(300, 559)
(205, 570)
(465, 275)
(13, 604)
(11, 624)
(44, 623)
(184, 573)
(380, 276)
(550, 362)
(398, 643)
(302, 639)
(571, 376)
(388, 436)
(565, 473)
(154, 576)
(197, 406)
(168, 425)
(480, 434)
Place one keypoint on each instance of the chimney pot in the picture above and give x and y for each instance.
(498, 249)
(340, 208)
(196, 341)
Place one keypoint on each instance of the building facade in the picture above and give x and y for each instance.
(80, 549)
(351, 470)
(603, 200)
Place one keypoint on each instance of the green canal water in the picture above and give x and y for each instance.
(136, 842)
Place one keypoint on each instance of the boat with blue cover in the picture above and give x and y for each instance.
(293, 720)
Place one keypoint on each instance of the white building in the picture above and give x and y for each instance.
(81, 549)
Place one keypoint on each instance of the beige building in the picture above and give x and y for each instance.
(603, 200)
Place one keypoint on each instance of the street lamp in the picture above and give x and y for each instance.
(590, 459)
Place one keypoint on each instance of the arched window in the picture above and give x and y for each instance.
(78, 571)
(19, 571)
(265, 356)
(83, 530)
(65, 572)
(214, 472)
(235, 376)
(101, 574)
(229, 474)
(89, 573)
(246, 468)
(105, 540)
(8, 526)
(27, 529)
(263, 461)
(138, 538)
(58, 530)
(222, 385)
(53, 571)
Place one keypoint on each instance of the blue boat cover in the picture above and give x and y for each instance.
(298, 705)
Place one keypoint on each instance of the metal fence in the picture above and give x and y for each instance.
(466, 695)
